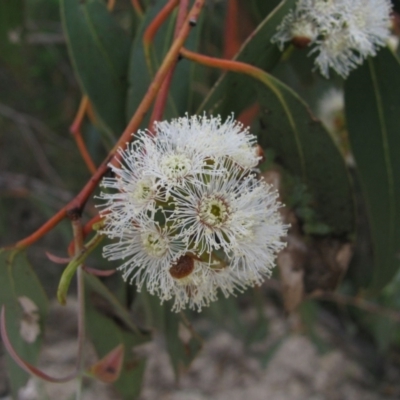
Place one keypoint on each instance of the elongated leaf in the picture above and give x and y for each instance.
(26, 309)
(306, 149)
(109, 325)
(232, 92)
(372, 111)
(99, 50)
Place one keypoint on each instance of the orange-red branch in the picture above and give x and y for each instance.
(161, 17)
(76, 205)
(84, 152)
(76, 131)
(162, 97)
(80, 115)
(153, 28)
(111, 5)
(229, 65)
(48, 226)
(231, 36)
(137, 7)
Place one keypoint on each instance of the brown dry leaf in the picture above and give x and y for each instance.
(108, 369)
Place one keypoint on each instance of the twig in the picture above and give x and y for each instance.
(76, 132)
(152, 29)
(137, 7)
(231, 35)
(161, 100)
(111, 5)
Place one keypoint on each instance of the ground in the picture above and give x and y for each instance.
(224, 370)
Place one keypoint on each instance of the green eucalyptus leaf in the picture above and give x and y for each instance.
(372, 112)
(26, 307)
(306, 149)
(99, 49)
(261, 8)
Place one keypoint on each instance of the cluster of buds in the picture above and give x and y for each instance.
(343, 32)
(188, 214)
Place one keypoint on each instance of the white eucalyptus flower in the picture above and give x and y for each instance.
(211, 137)
(343, 33)
(188, 215)
(148, 247)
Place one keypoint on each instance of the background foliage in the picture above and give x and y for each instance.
(52, 52)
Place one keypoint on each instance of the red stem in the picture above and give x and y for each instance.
(229, 65)
(161, 17)
(75, 129)
(84, 152)
(162, 97)
(138, 7)
(231, 34)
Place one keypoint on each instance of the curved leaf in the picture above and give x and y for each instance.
(306, 149)
(99, 50)
(26, 309)
(372, 112)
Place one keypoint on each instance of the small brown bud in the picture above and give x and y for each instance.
(182, 268)
(260, 153)
(301, 42)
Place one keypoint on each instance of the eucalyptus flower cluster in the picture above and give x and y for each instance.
(342, 33)
(187, 213)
